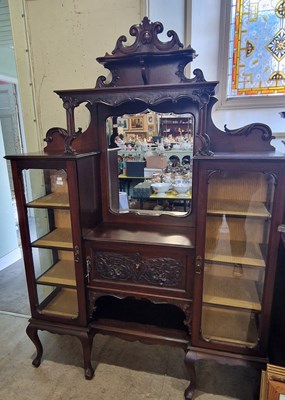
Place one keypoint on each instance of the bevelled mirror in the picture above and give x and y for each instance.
(154, 153)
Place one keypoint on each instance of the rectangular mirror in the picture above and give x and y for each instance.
(151, 154)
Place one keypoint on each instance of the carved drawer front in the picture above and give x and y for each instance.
(138, 268)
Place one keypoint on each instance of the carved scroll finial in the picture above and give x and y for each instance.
(146, 38)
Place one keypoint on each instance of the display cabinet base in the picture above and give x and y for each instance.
(84, 334)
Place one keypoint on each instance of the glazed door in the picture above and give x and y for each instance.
(235, 264)
(48, 207)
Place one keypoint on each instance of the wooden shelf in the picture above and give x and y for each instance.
(144, 332)
(54, 200)
(221, 253)
(140, 318)
(60, 238)
(64, 304)
(233, 292)
(62, 273)
(241, 208)
(229, 326)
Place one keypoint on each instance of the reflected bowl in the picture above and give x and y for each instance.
(182, 188)
(161, 187)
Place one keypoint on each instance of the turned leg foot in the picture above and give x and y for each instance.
(32, 332)
(86, 341)
(189, 363)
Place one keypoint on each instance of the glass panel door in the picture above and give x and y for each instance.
(48, 210)
(237, 231)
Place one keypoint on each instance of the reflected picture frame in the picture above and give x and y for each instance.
(135, 136)
(123, 123)
(137, 123)
(150, 119)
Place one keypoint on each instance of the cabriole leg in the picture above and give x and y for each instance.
(32, 332)
(87, 341)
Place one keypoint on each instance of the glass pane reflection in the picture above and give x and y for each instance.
(237, 231)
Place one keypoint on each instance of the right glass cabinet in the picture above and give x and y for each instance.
(232, 269)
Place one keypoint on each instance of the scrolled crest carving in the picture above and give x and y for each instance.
(263, 129)
(144, 55)
(146, 38)
(67, 138)
(198, 74)
(52, 131)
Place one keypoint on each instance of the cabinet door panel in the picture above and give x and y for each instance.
(47, 205)
(236, 233)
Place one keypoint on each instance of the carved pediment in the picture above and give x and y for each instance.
(148, 60)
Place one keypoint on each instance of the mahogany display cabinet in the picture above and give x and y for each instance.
(202, 279)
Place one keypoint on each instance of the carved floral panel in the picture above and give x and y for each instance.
(159, 271)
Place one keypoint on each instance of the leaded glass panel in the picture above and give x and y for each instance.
(257, 48)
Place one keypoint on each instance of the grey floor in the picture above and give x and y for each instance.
(123, 370)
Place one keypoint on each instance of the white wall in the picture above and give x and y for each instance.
(205, 34)
(63, 39)
(170, 15)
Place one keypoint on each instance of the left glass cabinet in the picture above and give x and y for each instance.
(51, 241)
(51, 224)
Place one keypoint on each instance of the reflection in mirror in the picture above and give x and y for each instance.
(152, 155)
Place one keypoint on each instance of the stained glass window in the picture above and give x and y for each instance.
(257, 48)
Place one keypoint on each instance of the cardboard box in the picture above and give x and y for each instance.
(148, 172)
(156, 162)
(135, 168)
